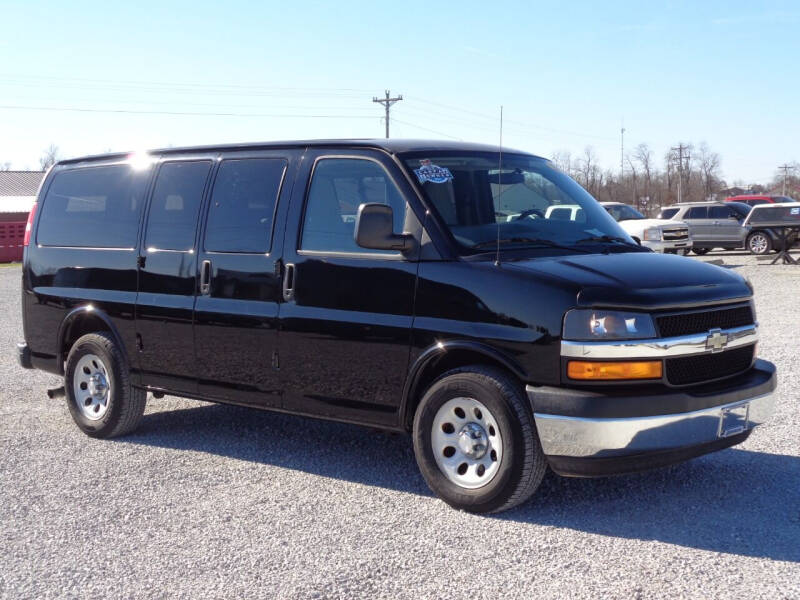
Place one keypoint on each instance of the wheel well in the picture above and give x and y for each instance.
(441, 364)
(80, 326)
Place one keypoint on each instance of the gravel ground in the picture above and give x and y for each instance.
(209, 501)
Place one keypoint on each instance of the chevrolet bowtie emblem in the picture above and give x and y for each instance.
(716, 340)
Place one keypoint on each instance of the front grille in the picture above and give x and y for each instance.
(705, 367)
(675, 235)
(701, 322)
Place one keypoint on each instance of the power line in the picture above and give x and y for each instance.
(181, 113)
(173, 84)
(396, 120)
(518, 122)
(387, 104)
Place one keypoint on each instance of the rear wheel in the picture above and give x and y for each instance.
(101, 399)
(475, 441)
(701, 251)
(759, 243)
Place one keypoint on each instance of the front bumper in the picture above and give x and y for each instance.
(668, 246)
(588, 433)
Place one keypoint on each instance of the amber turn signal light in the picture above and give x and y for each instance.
(604, 371)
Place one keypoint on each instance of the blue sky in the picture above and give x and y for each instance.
(567, 74)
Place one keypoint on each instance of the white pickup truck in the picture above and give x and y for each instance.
(659, 235)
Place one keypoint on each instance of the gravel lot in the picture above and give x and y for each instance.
(212, 501)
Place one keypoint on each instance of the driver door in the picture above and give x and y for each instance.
(346, 316)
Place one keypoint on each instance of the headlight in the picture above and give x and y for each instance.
(587, 324)
(652, 235)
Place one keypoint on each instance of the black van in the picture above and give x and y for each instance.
(409, 285)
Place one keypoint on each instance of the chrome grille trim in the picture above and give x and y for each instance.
(684, 345)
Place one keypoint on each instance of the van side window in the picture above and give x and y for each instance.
(243, 204)
(97, 207)
(338, 187)
(177, 195)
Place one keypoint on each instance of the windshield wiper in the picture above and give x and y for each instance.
(607, 238)
(529, 241)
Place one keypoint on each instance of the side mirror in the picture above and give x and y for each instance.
(374, 229)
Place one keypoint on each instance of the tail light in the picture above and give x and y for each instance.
(29, 225)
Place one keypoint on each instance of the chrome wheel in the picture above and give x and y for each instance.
(91, 387)
(466, 442)
(758, 243)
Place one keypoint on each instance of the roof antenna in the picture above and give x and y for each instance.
(499, 188)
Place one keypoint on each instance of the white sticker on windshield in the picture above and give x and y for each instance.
(431, 173)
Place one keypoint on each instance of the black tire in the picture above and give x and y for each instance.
(759, 243)
(522, 464)
(125, 403)
(701, 251)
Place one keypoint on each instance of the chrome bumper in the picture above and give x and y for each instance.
(597, 437)
(662, 246)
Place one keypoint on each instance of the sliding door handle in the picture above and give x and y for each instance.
(288, 282)
(205, 278)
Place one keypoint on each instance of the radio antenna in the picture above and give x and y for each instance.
(499, 188)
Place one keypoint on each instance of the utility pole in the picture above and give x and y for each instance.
(681, 148)
(785, 168)
(387, 103)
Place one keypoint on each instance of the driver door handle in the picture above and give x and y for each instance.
(205, 278)
(288, 282)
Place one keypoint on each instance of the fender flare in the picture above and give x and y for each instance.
(76, 314)
(435, 352)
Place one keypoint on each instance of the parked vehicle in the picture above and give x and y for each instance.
(716, 224)
(756, 199)
(711, 224)
(381, 283)
(761, 239)
(671, 237)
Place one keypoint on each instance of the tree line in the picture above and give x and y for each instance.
(689, 174)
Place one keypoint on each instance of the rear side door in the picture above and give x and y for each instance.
(167, 275)
(236, 313)
(726, 227)
(347, 311)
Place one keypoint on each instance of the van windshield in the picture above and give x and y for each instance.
(527, 204)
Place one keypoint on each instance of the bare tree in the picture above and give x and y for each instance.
(6, 166)
(49, 158)
(589, 174)
(563, 160)
(708, 162)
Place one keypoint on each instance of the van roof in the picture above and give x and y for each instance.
(392, 145)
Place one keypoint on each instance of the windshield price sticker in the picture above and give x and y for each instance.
(431, 173)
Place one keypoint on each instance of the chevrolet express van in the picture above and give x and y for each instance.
(416, 286)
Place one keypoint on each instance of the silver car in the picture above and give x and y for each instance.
(725, 225)
(711, 224)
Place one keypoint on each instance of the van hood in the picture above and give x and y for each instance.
(642, 280)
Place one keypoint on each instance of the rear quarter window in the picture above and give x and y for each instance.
(96, 207)
(668, 213)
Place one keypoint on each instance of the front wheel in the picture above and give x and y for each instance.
(101, 399)
(475, 441)
(759, 243)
